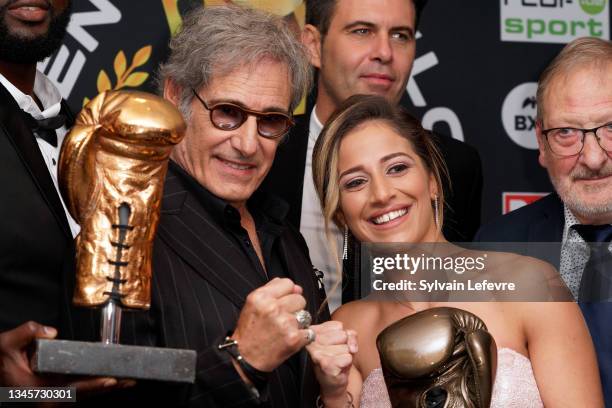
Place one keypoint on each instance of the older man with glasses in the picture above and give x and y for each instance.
(231, 279)
(569, 141)
(230, 116)
(574, 131)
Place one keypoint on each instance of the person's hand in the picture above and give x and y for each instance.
(15, 368)
(332, 354)
(267, 331)
(14, 359)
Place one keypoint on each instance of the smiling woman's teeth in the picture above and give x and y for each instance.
(390, 216)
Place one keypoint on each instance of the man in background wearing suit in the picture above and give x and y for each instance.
(36, 228)
(574, 131)
(363, 47)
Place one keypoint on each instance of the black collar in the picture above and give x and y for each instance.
(262, 205)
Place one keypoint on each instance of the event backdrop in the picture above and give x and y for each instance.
(474, 77)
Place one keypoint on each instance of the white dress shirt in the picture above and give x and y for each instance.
(312, 224)
(50, 98)
(574, 253)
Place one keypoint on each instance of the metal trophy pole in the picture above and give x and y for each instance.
(110, 323)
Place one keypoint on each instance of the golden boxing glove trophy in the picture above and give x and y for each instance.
(111, 173)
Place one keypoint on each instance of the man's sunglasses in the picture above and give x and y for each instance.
(228, 116)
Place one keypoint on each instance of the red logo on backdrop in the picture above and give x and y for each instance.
(511, 200)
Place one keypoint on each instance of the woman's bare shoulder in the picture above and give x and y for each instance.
(534, 280)
(357, 314)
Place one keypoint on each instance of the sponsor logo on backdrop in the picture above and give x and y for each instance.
(519, 115)
(127, 76)
(513, 200)
(72, 61)
(437, 114)
(553, 21)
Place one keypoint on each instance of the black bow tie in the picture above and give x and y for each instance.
(45, 128)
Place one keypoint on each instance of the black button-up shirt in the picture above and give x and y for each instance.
(269, 213)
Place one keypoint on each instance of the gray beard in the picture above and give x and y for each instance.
(570, 196)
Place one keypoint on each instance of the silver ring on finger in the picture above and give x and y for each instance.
(303, 318)
(310, 336)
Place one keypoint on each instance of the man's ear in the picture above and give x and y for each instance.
(542, 157)
(172, 92)
(311, 38)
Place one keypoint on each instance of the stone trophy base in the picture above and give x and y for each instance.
(114, 360)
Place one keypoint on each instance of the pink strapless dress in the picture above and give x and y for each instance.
(515, 385)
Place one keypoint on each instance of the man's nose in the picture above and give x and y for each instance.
(246, 139)
(593, 155)
(382, 49)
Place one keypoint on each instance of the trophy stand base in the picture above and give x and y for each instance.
(114, 360)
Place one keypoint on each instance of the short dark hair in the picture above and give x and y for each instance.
(319, 13)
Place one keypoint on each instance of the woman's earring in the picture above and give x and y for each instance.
(345, 246)
(436, 212)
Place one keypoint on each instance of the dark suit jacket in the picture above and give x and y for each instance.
(200, 282)
(463, 196)
(34, 229)
(543, 221)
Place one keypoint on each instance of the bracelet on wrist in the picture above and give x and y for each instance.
(258, 378)
(349, 402)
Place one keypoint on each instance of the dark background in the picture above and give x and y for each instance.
(475, 71)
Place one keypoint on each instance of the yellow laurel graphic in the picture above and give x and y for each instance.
(173, 16)
(120, 64)
(278, 7)
(126, 76)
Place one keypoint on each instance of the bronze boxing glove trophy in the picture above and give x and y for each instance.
(438, 358)
(111, 173)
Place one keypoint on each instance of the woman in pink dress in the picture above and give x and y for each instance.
(378, 173)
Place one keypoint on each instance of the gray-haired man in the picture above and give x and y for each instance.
(229, 274)
(574, 131)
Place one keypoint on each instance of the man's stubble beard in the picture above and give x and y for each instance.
(20, 50)
(570, 193)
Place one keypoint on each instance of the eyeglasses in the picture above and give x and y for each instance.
(228, 116)
(567, 141)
